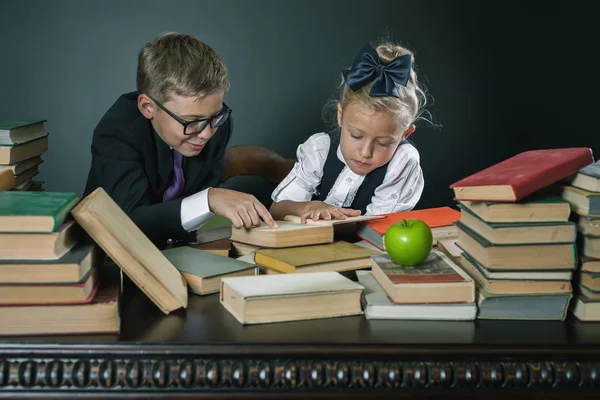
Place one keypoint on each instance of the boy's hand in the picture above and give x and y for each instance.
(242, 209)
(316, 210)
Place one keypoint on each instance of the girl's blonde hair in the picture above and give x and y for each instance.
(410, 104)
(179, 64)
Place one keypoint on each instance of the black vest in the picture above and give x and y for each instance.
(332, 169)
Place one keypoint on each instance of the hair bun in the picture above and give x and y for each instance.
(388, 52)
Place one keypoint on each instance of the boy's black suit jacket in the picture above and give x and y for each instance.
(135, 167)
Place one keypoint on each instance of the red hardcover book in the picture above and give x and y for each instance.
(523, 174)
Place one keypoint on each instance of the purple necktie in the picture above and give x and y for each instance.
(176, 186)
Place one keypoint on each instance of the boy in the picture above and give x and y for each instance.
(159, 152)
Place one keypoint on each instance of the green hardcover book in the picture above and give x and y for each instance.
(15, 131)
(203, 270)
(522, 306)
(34, 211)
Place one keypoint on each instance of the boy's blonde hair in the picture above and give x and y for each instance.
(179, 64)
(408, 106)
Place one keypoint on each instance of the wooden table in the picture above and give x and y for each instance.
(204, 352)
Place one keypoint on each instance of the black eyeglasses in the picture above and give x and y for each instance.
(197, 126)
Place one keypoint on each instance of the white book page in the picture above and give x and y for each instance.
(296, 219)
(289, 284)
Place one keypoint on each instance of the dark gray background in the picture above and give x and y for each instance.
(505, 76)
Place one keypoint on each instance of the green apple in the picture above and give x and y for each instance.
(408, 242)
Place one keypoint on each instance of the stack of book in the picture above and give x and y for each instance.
(583, 194)
(296, 261)
(294, 247)
(301, 272)
(517, 241)
(22, 143)
(49, 280)
(436, 290)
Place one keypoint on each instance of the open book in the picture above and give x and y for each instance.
(348, 220)
(122, 240)
(291, 232)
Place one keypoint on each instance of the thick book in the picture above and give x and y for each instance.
(22, 151)
(30, 186)
(516, 275)
(22, 166)
(588, 178)
(591, 247)
(241, 249)
(16, 131)
(523, 174)
(221, 247)
(450, 249)
(586, 309)
(588, 293)
(548, 256)
(40, 245)
(121, 239)
(99, 315)
(552, 307)
(203, 270)
(591, 280)
(338, 256)
(435, 218)
(519, 232)
(515, 286)
(290, 297)
(377, 305)
(530, 209)
(437, 280)
(34, 211)
(27, 175)
(583, 202)
(50, 293)
(369, 245)
(71, 267)
(287, 234)
(7, 179)
(589, 226)
(590, 264)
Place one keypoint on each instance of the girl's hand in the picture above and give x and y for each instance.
(316, 210)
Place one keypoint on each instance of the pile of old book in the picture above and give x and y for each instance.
(22, 143)
(50, 282)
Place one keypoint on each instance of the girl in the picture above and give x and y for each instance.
(371, 169)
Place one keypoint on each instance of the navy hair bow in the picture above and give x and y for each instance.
(367, 67)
